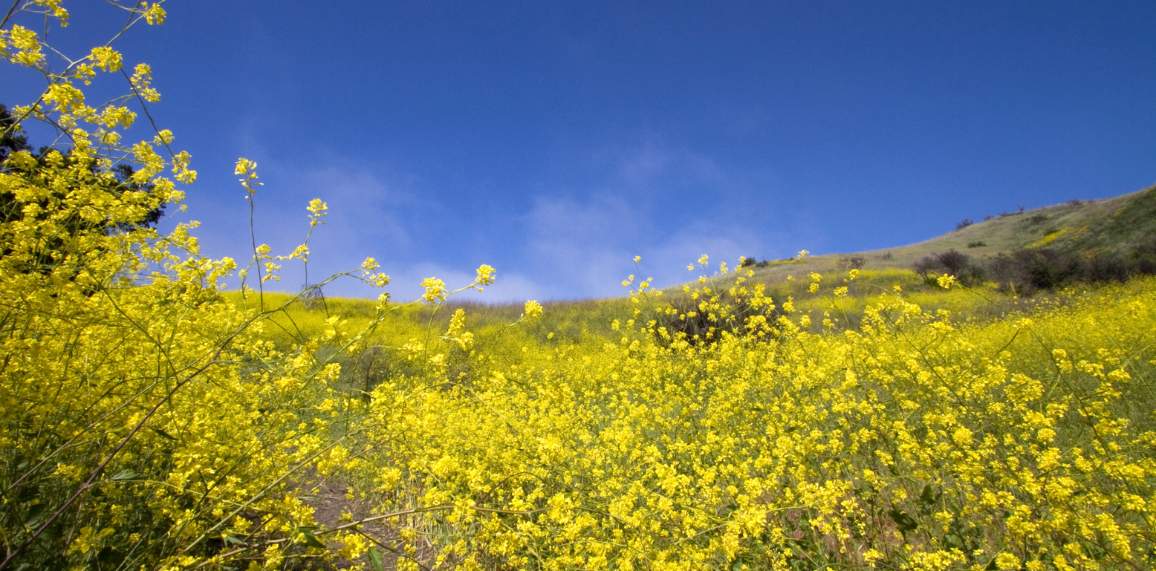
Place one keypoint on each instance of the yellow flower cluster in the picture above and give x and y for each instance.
(485, 276)
(435, 290)
(532, 310)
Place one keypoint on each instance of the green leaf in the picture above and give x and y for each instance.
(311, 540)
(164, 434)
(125, 475)
(376, 561)
(929, 496)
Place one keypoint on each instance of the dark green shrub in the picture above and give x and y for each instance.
(951, 262)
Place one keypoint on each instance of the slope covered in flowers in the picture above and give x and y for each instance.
(909, 442)
(153, 420)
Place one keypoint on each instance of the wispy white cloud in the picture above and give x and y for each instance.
(581, 245)
(363, 207)
(509, 286)
(362, 221)
(655, 164)
(645, 164)
(370, 214)
(587, 246)
(667, 203)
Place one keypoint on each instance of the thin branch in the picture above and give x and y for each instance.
(11, 11)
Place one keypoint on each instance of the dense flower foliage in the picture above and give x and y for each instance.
(911, 441)
(151, 420)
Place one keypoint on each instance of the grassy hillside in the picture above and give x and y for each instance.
(1110, 225)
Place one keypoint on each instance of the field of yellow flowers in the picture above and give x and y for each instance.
(152, 420)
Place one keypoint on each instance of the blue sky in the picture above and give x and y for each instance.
(557, 140)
